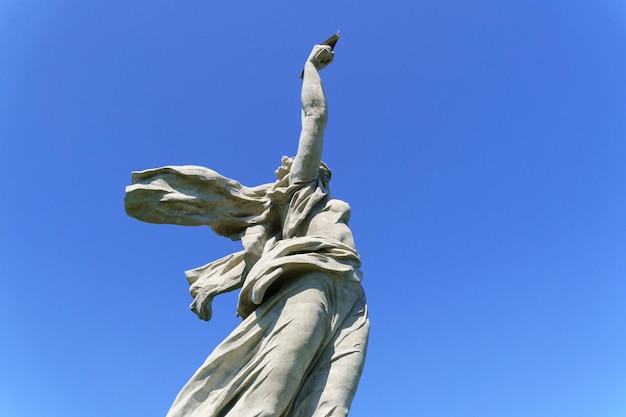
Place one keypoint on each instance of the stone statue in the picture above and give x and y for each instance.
(300, 348)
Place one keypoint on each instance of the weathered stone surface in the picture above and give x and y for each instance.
(300, 348)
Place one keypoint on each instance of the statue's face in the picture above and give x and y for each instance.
(282, 171)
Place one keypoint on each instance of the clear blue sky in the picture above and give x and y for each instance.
(481, 145)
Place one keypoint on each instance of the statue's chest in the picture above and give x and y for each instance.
(331, 222)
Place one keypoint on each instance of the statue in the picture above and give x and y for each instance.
(300, 348)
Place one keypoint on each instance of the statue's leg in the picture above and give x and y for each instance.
(301, 328)
(294, 343)
(330, 387)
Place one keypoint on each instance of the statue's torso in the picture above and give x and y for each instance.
(331, 222)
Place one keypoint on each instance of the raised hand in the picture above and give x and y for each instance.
(321, 56)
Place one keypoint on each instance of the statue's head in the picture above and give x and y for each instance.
(283, 170)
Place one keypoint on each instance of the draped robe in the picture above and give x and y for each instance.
(300, 348)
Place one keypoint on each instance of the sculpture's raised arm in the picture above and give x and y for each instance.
(314, 116)
(300, 348)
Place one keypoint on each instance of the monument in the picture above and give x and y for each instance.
(300, 349)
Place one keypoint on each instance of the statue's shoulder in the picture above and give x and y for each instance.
(336, 209)
(337, 205)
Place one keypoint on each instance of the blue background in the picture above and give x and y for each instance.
(481, 145)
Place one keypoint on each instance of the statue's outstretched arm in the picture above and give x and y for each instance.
(314, 116)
